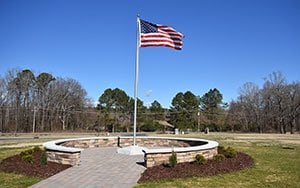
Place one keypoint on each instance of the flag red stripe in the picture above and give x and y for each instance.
(170, 33)
(159, 42)
(149, 35)
(168, 29)
(170, 46)
(162, 40)
(161, 34)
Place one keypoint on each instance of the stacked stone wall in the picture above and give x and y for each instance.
(154, 159)
(92, 143)
(63, 157)
(151, 159)
(154, 143)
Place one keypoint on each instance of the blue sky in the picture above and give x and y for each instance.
(227, 43)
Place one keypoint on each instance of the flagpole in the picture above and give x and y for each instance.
(136, 78)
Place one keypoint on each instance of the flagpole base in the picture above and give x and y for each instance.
(131, 150)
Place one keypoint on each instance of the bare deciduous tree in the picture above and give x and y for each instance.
(275, 107)
(42, 101)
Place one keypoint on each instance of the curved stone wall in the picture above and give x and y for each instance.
(156, 149)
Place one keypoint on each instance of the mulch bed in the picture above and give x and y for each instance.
(16, 164)
(184, 170)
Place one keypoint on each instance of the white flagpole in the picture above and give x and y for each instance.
(136, 78)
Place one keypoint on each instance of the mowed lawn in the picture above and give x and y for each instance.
(277, 163)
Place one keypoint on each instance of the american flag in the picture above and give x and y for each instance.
(159, 35)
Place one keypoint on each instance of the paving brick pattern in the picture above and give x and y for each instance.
(99, 167)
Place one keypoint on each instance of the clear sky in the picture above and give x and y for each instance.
(227, 43)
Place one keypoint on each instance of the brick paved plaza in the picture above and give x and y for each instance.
(99, 167)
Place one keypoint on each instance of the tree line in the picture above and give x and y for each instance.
(37, 103)
(41, 102)
(273, 108)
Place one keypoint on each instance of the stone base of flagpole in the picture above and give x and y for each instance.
(131, 150)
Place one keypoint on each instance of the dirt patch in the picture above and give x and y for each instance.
(16, 164)
(184, 170)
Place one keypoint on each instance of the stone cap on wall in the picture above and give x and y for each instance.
(209, 144)
(56, 144)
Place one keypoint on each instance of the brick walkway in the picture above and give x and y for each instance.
(99, 167)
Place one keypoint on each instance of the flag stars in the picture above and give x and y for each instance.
(147, 27)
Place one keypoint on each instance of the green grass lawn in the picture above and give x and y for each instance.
(10, 180)
(14, 180)
(274, 165)
(4, 153)
(277, 163)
